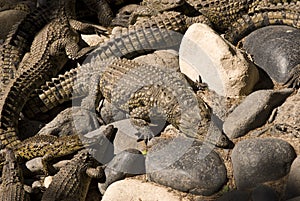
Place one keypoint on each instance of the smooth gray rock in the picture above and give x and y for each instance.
(70, 121)
(126, 137)
(293, 184)
(260, 160)
(186, 165)
(276, 49)
(253, 112)
(127, 163)
(109, 113)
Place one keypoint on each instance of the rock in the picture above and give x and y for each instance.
(136, 190)
(223, 67)
(253, 112)
(186, 165)
(275, 49)
(161, 58)
(260, 160)
(92, 39)
(288, 114)
(48, 181)
(35, 165)
(293, 184)
(126, 136)
(109, 113)
(70, 121)
(103, 152)
(127, 163)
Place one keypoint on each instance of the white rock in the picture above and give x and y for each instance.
(136, 190)
(35, 165)
(161, 58)
(92, 40)
(47, 181)
(224, 68)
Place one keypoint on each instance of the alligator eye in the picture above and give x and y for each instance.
(223, 139)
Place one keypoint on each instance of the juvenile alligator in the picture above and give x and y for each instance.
(223, 13)
(286, 14)
(19, 40)
(151, 95)
(73, 180)
(50, 147)
(11, 188)
(162, 31)
(50, 50)
(129, 14)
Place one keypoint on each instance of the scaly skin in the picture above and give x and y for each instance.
(146, 92)
(129, 41)
(288, 14)
(22, 34)
(50, 147)
(50, 50)
(223, 13)
(73, 180)
(18, 42)
(11, 188)
(103, 10)
(129, 14)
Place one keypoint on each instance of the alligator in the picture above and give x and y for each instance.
(129, 14)
(26, 6)
(50, 147)
(223, 13)
(73, 180)
(146, 94)
(52, 47)
(162, 31)
(11, 188)
(19, 39)
(286, 14)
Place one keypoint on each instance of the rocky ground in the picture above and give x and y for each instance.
(243, 87)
